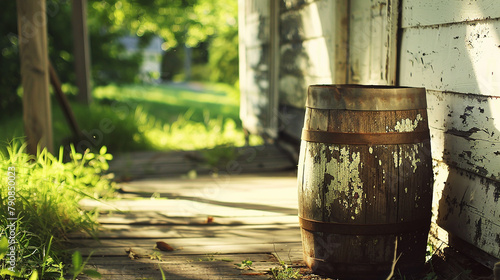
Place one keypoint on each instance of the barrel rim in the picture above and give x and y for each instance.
(365, 97)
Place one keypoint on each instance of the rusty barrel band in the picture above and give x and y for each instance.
(365, 98)
(365, 229)
(389, 138)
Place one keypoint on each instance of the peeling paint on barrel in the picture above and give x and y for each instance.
(347, 181)
(411, 155)
(342, 166)
(407, 125)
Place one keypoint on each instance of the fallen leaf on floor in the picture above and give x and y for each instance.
(164, 246)
(254, 273)
(210, 219)
(131, 254)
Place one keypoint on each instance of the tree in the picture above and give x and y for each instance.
(178, 22)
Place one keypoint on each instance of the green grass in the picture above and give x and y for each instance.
(150, 117)
(39, 209)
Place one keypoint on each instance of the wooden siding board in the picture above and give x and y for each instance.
(460, 58)
(294, 4)
(312, 49)
(464, 130)
(293, 89)
(257, 109)
(372, 41)
(256, 33)
(311, 21)
(303, 64)
(477, 156)
(453, 53)
(468, 206)
(427, 13)
(474, 116)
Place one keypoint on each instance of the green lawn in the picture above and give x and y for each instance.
(150, 117)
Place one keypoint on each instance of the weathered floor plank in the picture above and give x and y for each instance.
(258, 159)
(213, 222)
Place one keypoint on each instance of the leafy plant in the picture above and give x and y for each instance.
(284, 272)
(246, 264)
(79, 266)
(42, 194)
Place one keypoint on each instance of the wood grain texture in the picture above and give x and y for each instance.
(37, 115)
(451, 48)
(215, 266)
(468, 206)
(469, 115)
(257, 111)
(364, 184)
(477, 156)
(372, 42)
(253, 218)
(81, 48)
(252, 159)
(313, 48)
(465, 133)
(428, 13)
(459, 58)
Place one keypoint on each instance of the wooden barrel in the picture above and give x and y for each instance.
(365, 180)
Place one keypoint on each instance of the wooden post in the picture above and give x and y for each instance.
(32, 26)
(81, 51)
(63, 101)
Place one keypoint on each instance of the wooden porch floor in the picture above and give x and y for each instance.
(214, 222)
(244, 210)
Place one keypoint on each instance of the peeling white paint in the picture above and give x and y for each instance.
(407, 125)
(411, 155)
(398, 160)
(345, 171)
(318, 201)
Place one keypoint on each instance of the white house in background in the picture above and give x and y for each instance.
(152, 55)
(452, 48)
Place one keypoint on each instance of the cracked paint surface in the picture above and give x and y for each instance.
(339, 170)
(408, 125)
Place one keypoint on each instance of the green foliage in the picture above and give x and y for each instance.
(204, 25)
(111, 63)
(246, 264)
(173, 118)
(223, 60)
(284, 272)
(151, 117)
(223, 50)
(42, 194)
(10, 76)
(162, 273)
(79, 266)
(102, 125)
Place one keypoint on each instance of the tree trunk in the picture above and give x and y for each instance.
(81, 51)
(32, 26)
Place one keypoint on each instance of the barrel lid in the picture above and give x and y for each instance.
(365, 98)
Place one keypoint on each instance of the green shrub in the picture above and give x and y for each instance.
(40, 209)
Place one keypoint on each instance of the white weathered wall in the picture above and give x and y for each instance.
(452, 48)
(254, 70)
(313, 38)
(372, 42)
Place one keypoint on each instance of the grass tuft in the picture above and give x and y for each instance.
(41, 195)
